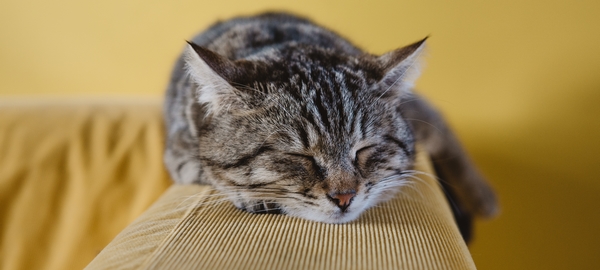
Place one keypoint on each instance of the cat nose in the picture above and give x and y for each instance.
(342, 200)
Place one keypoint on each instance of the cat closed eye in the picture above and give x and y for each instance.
(313, 162)
(303, 156)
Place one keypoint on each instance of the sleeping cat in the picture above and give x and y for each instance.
(284, 116)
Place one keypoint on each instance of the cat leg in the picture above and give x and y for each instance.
(181, 158)
(259, 207)
(452, 164)
(181, 114)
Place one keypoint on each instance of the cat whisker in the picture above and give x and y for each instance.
(430, 175)
(451, 199)
(418, 191)
(190, 198)
(202, 204)
(434, 127)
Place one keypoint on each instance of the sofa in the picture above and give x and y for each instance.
(83, 186)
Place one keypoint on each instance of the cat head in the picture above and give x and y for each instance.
(304, 130)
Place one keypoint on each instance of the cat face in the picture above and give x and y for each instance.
(303, 131)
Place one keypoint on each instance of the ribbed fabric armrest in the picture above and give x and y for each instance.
(192, 227)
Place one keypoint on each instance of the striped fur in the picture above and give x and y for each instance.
(284, 116)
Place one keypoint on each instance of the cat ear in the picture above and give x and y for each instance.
(402, 67)
(212, 72)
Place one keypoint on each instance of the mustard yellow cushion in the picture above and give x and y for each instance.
(73, 174)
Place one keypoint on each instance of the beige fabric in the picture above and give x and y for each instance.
(192, 227)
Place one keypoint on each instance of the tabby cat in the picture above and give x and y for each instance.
(284, 116)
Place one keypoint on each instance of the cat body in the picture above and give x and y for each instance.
(284, 116)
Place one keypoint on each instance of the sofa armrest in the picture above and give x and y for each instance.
(192, 227)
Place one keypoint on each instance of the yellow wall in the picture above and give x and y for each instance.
(519, 81)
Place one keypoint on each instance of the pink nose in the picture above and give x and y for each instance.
(342, 200)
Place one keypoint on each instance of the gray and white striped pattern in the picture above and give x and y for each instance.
(284, 116)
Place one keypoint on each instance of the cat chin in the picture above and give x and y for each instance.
(331, 218)
(335, 217)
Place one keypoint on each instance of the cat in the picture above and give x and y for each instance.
(284, 116)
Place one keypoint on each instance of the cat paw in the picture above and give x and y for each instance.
(486, 203)
(480, 199)
(261, 207)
